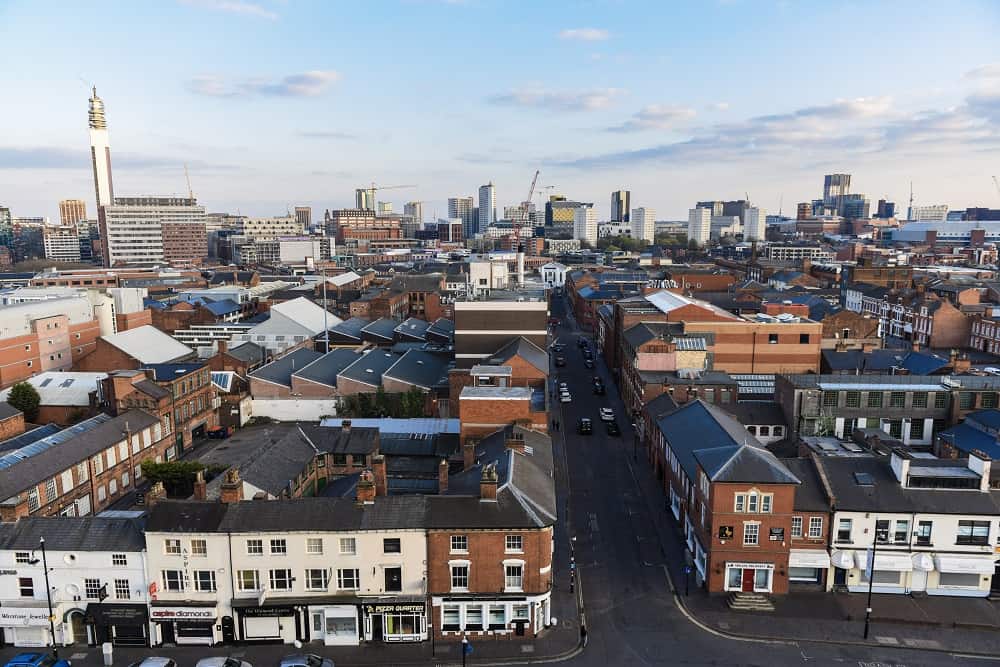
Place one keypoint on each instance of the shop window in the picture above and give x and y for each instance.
(459, 577)
(348, 546)
(751, 534)
(804, 574)
(204, 581)
(119, 560)
(402, 625)
(735, 579)
(392, 545)
(26, 587)
(450, 618)
(173, 580)
(762, 580)
(314, 545)
(521, 612)
(884, 577)
(281, 580)
(172, 547)
(498, 617)
(316, 579)
(255, 547)
(248, 580)
(459, 543)
(959, 580)
(514, 544)
(474, 617)
(796, 526)
(122, 590)
(513, 577)
(348, 579)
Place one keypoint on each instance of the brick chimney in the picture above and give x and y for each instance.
(488, 484)
(200, 486)
(345, 427)
(516, 443)
(223, 346)
(443, 476)
(232, 487)
(155, 494)
(366, 488)
(381, 476)
(469, 453)
(960, 362)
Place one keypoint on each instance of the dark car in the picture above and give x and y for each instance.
(597, 379)
(582, 342)
(219, 432)
(584, 426)
(36, 659)
(558, 347)
(560, 361)
(599, 388)
(612, 428)
(587, 354)
(589, 363)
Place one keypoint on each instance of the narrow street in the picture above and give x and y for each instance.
(624, 546)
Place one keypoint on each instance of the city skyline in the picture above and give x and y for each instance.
(265, 129)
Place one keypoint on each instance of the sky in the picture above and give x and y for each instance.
(277, 103)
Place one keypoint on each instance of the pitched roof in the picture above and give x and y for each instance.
(810, 496)
(280, 371)
(413, 328)
(383, 328)
(252, 353)
(442, 328)
(168, 372)
(7, 410)
(369, 367)
(325, 369)
(83, 533)
(350, 329)
(149, 345)
(68, 388)
(427, 370)
(185, 516)
(306, 313)
(524, 348)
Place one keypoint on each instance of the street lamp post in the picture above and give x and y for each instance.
(48, 597)
(465, 649)
(871, 580)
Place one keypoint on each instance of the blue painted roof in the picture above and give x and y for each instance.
(25, 439)
(965, 438)
(221, 307)
(988, 418)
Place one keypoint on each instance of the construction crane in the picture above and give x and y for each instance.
(531, 190)
(187, 177)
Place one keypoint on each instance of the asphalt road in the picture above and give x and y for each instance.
(631, 615)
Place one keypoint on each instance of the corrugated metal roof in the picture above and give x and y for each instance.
(420, 425)
(690, 344)
(149, 345)
(12, 458)
(62, 387)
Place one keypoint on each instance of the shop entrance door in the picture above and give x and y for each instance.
(995, 584)
(79, 628)
(748, 575)
(167, 633)
(377, 634)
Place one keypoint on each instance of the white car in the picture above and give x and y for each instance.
(607, 415)
(565, 397)
(222, 661)
(563, 386)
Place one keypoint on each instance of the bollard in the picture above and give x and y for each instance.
(108, 650)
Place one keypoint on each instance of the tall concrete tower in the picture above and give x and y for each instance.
(100, 152)
(487, 206)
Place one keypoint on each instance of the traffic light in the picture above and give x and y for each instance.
(102, 593)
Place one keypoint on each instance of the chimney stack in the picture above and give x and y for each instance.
(200, 486)
(366, 488)
(488, 484)
(223, 346)
(516, 443)
(469, 453)
(443, 476)
(381, 475)
(155, 494)
(981, 463)
(345, 427)
(232, 487)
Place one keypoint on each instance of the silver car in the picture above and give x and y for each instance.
(306, 660)
(222, 661)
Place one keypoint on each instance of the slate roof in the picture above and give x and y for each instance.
(221, 307)
(413, 328)
(84, 533)
(810, 495)
(701, 433)
(7, 410)
(85, 443)
(280, 371)
(349, 329)
(423, 369)
(272, 468)
(644, 332)
(168, 372)
(151, 389)
(965, 438)
(887, 495)
(661, 405)
(524, 348)
(338, 440)
(185, 516)
(368, 369)
(383, 329)
(756, 413)
(326, 368)
(252, 353)
(429, 282)
(442, 329)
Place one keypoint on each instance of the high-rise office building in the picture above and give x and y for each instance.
(714, 206)
(487, 206)
(585, 224)
(364, 199)
(755, 224)
(699, 224)
(383, 208)
(835, 186)
(461, 208)
(303, 215)
(62, 243)
(804, 210)
(931, 213)
(621, 200)
(132, 230)
(6, 227)
(736, 208)
(855, 206)
(643, 222)
(100, 152)
(886, 209)
(72, 211)
(415, 209)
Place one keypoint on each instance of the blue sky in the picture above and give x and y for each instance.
(274, 103)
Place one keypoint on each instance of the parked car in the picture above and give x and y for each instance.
(597, 379)
(607, 415)
(36, 659)
(565, 398)
(582, 342)
(587, 354)
(154, 661)
(222, 661)
(558, 347)
(589, 363)
(599, 388)
(560, 361)
(219, 432)
(584, 426)
(306, 660)
(612, 428)
(563, 386)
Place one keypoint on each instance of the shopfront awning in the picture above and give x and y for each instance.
(922, 562)
(808, 558)
(116, 614)
(960, 564)
(893, 562)
(843, 559)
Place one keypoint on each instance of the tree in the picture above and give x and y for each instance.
(177, 476)
(25, 398)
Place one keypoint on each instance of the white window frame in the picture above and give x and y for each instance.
(324, 576)
(452, 565)
(279, 546)
(255, 547)
(755, 525)
(199, 548)
(514, 544)
(165, 579)
(815, 527)
(509, 583)
(341, 579)
(796, 526)
(348, 546)
(241, 583)
(314, 546)
(460, 540)
(274, 579)
(740, 502)
(123, 591)
(172, 547)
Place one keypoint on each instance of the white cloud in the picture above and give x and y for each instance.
(235, 7)
(552, 100)
(989, 71)
(584, 34)
(307, 84)
(720, 106)
(656, 117)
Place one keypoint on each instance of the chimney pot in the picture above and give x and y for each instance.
(488, 484)
(469, 453)
(200, 486)
(232, 487)
(443, 476)
(366, 488)
(381, 475)
(345, 426)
